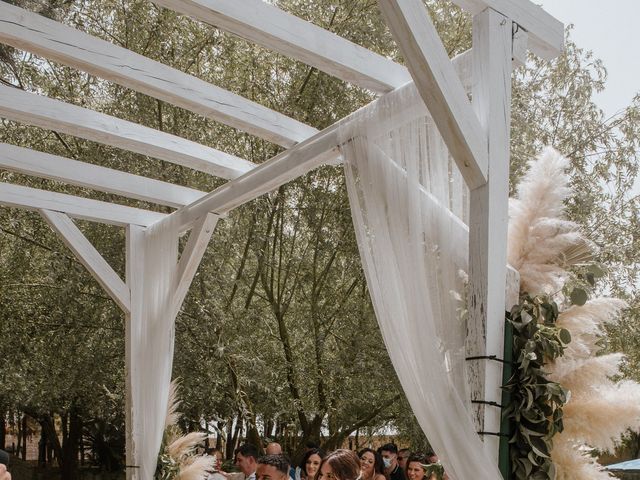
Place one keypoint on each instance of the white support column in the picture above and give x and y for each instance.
(489, 217)
(158, 285)
(134, 277)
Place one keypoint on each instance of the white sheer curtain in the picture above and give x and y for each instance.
(152, 337)
(408, 203)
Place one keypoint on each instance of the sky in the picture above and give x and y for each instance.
(608, 28)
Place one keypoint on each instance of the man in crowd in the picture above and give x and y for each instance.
(403, 456)
(392, 470)
(273, 448)
(273, 467)
(246, 459)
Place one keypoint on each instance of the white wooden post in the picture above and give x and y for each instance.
(181, 274)
(489, 217)
(130, 296)
(134, 278)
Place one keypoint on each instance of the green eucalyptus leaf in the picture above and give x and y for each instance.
(578, 296)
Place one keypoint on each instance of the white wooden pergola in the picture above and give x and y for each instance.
(476, 133)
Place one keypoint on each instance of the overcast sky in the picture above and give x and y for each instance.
(610, 29)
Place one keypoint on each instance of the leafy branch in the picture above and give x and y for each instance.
(535, 411)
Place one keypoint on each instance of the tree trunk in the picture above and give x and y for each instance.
(24, 437)
(3, 430)
(42, 448)
(268, 427)
(230, 446)
(236, 434)
(219, 437)
(18, 447)
(70, 447)
(47, 424)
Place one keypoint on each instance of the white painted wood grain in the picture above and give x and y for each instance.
(27, 31)
(318, 150)
(86, 253)
(190, 259)
(439, 86)
(134, 279)
(87, 209)
(282, 32)
(546, 32)
(44, 165)
(489, 217)
(62, 117)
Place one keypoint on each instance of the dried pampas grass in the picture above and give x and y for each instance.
(178, 459)
(542, 245)
(196, 468)
(172, 406)
(573, 462)
(185, 445)
(538, 233)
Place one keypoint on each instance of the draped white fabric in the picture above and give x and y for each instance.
(408, 203)
(152, 337)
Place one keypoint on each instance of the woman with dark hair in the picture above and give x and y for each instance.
(310, 463)
(340, 465)
(371, 464)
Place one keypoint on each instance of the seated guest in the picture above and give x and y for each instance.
(272, 467)
(310, 463)
(341, 464)
(246, 459)
(389, 454)
(371, 464)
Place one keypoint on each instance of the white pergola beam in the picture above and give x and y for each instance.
(546, 34)
(191, 255)
(44, 165)
(31, 32)
(439, 86)
(320, 149)
(84, 208)
(86, 253)
(282, 32)
(290, 164)
(62, 117)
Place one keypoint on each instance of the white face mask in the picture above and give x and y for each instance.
(387, 462)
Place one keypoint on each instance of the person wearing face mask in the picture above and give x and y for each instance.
(392, 471)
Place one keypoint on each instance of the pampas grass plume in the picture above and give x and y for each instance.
(185, 445)
(542, 244)
(172, 406)
(197, 468)
(538, 233)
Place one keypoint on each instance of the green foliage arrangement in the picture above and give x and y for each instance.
(536, 404)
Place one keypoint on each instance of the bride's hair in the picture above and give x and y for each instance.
(344, 463)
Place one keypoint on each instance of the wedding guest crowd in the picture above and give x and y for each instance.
(386, 463)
